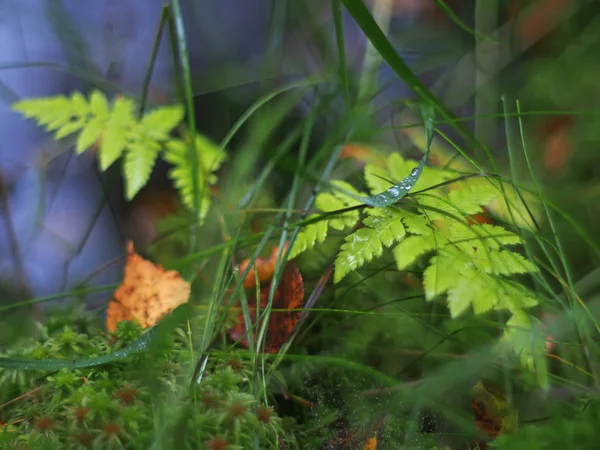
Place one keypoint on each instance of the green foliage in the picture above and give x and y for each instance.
(315, 233)
(139, 142)
(209, 157)
(467, 262)
(120, 405)
(383, 227)
(575, 429)
(523, 333)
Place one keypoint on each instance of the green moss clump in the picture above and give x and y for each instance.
(142, 401)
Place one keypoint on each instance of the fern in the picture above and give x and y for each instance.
(316, 232)
(467, 263)
(383, 227)
(523, 335)
(120, 134)
(209, 157)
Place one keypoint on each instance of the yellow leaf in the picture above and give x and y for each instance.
(147, 292)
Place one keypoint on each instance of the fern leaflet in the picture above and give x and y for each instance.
(383, 227)
(112, 125)
(523, 335)
(209, 157)
(316, 232)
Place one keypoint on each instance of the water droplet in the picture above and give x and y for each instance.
(414, 172)
(394, 191)
(408, 186)
(237, 268)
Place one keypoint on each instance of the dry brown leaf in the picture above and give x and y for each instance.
(147, 292)
(264, 266)
(289, 295)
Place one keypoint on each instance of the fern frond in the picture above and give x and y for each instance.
(412, 248)
(117, 133)
(523, 335)
(139, 161)
(309, 237)
(316, 233)
(470, 195)
(209, 157)
(120, 133)
(382, 229)
(472, 282)
(93, 129)
(337, 200)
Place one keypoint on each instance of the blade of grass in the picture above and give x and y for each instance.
(381, 43)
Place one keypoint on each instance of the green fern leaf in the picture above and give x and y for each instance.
(159, 123)
(117, 128)
(117, 134)
(502, 262)
(91, 132)
(336, 201)
(412, 248)
(467, 283)
(470, 238)
(470, 195)
(99, 105)
(441, 275)
(383, 228)
(523, 334)
(139, 161)
(309, 237)
(417, 224)
(515, 297)
(316, 233)
(493, 236)
(43, 110)
(69, 128)
(210, 158)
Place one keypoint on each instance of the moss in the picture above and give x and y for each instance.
(144, 400)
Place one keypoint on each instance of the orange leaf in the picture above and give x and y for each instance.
(357, 152)
(558, 147)
(558, 150)
(265, 267)
(484, 421)
(289, 295)
(493, 413)
(539, 18)
(371, 443)
(147, 292)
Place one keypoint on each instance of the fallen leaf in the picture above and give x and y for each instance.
(264, 266)
(357, 152)
(147, 292)
(492, 412)
(289, 295)
(371, 443)
(558, 148)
